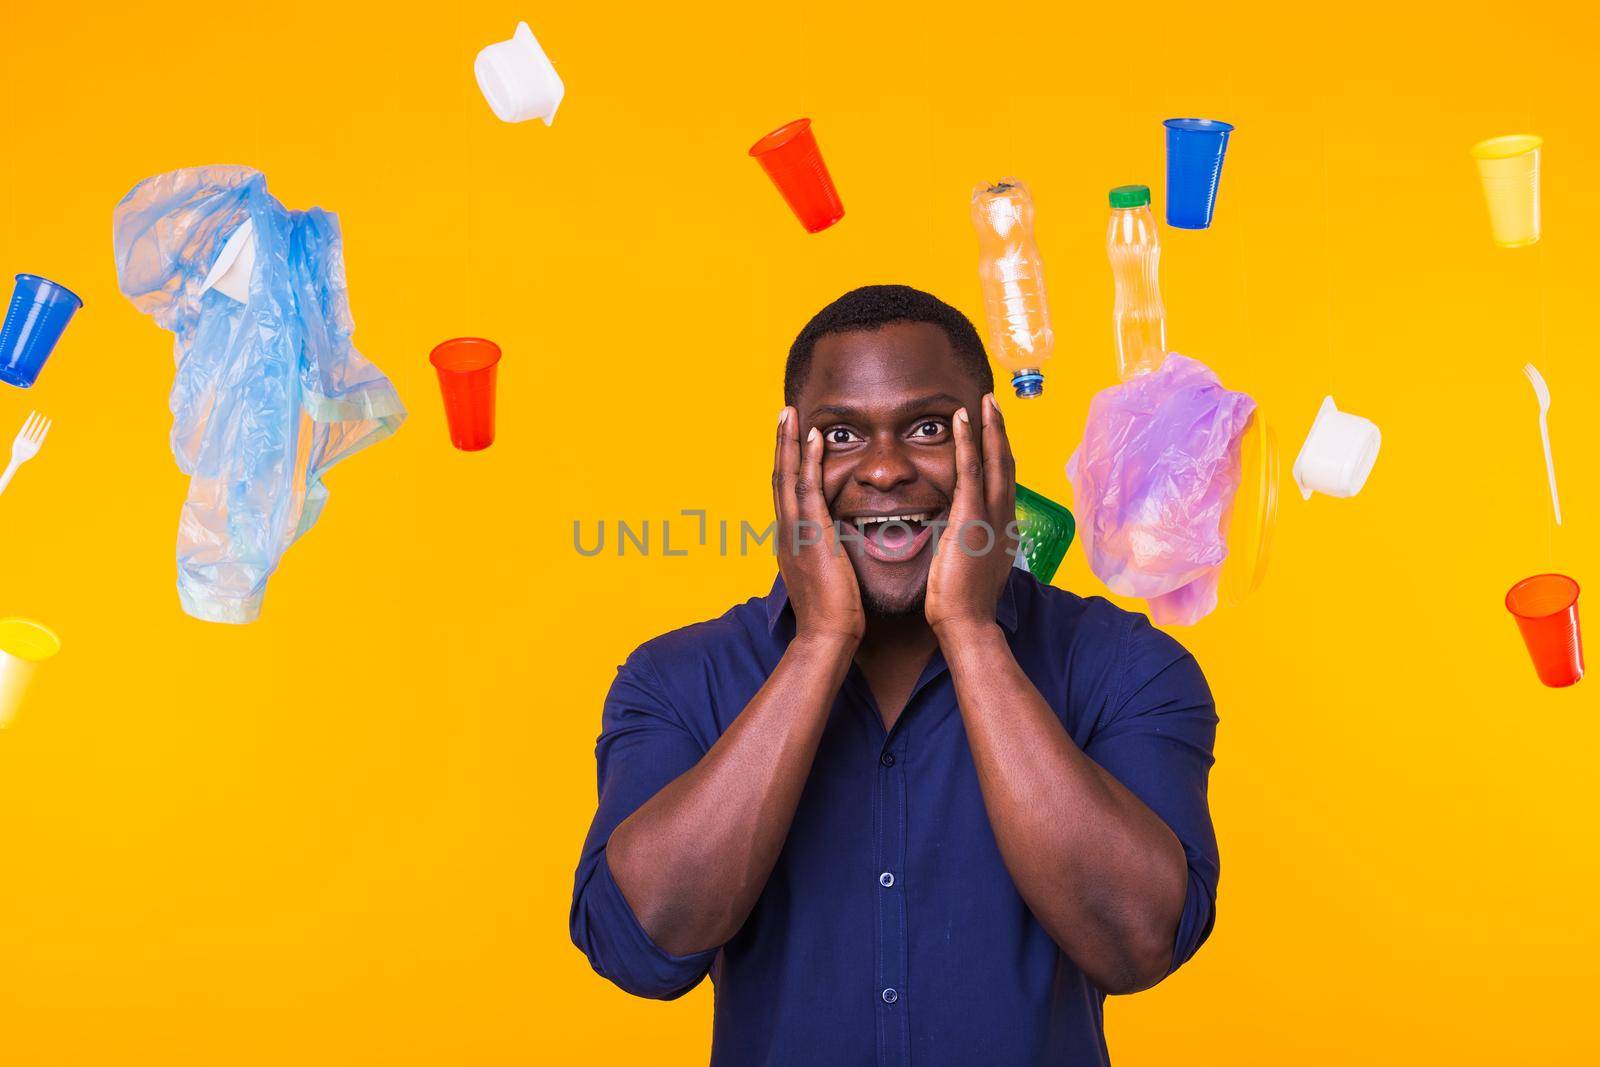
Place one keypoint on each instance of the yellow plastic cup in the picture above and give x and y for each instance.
(24, 644)
(1509, 167)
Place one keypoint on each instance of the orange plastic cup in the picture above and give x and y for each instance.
(792, 160)
(1546, 609)
(466, 369)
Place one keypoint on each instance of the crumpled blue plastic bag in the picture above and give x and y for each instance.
(1153, 486)
(268, 394)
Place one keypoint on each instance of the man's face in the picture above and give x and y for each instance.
(883, 400)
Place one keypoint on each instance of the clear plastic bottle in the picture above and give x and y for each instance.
(1013, 282)
(1139, 319)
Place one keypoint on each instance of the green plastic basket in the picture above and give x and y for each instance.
(1047, 529)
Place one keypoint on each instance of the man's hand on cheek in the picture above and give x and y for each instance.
(973, 558)
(816, 572)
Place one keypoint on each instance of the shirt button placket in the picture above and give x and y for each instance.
(889, 826)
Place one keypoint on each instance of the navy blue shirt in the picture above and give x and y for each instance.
(890, 932)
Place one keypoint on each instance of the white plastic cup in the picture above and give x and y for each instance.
(24, 644)
(230, 274)
(1338, 454)
(518, 79)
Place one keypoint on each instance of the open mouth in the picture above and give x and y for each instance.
(895, 538)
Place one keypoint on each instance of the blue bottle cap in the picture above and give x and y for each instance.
(1027, 383)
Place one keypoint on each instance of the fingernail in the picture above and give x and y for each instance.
(813, 435)
(994, 405)
(961, 416)
(783, 417)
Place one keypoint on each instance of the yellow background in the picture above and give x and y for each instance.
(345, 834)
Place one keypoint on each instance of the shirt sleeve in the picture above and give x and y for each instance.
(643, 746)
(1156, 738)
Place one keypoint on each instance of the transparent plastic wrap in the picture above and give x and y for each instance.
(269, 391)
(1154, 482)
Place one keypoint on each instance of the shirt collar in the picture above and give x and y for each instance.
(1005, 612)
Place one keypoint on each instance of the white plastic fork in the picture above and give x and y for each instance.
(1542, 391)
(26, 446)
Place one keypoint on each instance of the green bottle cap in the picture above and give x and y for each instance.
(1130, 196)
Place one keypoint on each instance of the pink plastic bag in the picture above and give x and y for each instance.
(1153, 485)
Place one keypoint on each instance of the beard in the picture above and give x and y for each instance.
(878, 607)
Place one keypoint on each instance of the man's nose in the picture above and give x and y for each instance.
(885, 465)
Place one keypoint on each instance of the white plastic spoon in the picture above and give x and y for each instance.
(1542, 391)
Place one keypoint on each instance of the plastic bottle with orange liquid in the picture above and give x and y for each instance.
(1138, 315)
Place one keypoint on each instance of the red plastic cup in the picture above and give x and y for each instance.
(466, 369)
(792, 160)
(1546, 609)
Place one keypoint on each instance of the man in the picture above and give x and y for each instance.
(912, 807)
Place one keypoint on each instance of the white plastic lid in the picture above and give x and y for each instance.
(1338, 454)
(518, 79)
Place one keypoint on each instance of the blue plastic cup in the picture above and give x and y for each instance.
(39, 313)
(1195, 148)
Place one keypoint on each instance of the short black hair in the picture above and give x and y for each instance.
(873, 307)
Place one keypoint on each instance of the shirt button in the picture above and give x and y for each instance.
(886, 879)
(890, 996)
(887, 759)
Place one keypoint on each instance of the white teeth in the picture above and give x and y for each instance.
(919, 516)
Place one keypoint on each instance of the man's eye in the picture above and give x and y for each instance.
(928, 428)
(838, 435)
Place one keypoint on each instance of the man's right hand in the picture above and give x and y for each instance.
(692, 861)
(816, 572)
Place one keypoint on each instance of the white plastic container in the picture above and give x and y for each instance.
(230, 274)
(518, 79)
(1338, 454)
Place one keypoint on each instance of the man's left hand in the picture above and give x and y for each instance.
(972, 559)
